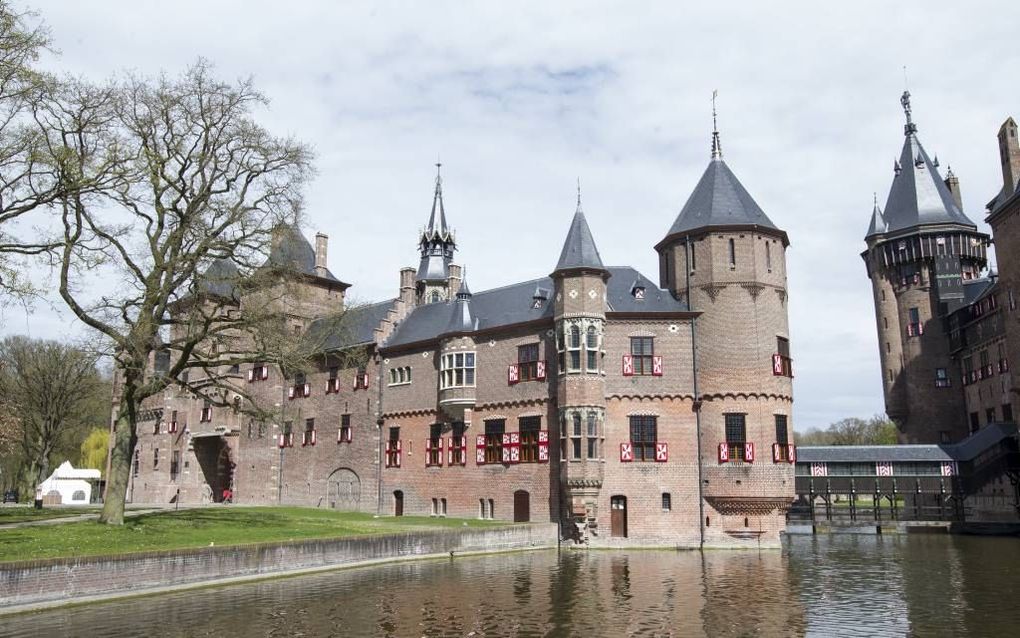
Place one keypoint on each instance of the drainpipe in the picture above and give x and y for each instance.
(697, 406)
(283, 407)
(379, 426)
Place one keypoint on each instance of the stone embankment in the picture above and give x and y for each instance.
(37, 584)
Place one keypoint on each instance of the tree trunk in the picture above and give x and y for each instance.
(120, 469)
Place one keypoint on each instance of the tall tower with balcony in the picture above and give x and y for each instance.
(920, 251)
(727, 259)
(580, 316)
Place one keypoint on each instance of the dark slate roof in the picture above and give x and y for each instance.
(357, 327)
(878, 223)
(918, 195)
(965, 450)
(513, 304)
(719, 199)
(218, 279)
(291, 250)
(976, 289)
(579, 249)
(871, 453)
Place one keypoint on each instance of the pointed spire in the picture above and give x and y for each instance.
(579, 249)
(437, 228)
(716, 142)
(461, 317)
(464, 291)
(878, 224)
(909, 128)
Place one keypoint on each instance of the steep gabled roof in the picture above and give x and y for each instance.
(579, 249)
(290, 250)
(719, 199)
(219, 279)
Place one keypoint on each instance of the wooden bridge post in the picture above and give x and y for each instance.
(853, 500)
(942, 499)
(917, 499)
(895, 506)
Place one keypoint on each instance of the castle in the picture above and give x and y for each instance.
(629, 411)
(947, 328)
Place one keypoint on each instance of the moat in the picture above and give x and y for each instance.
(917, 585)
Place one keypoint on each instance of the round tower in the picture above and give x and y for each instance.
(580, 316)
(727, 259)
(921, 251)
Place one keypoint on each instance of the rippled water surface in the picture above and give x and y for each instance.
(817, 586)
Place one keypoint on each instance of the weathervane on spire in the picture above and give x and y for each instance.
(716, 143)
(909, 127)
(578, 194)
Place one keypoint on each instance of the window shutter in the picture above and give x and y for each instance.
(449, 452)
(724, 452)
(251, 375)
(398, 452)
(661, 452)
(428, 452)
(792, 456)
(440, 455)
(308, 389)
(313, 437)
(505, 448)
(749, 452)
(389, 447)
(480, 449)
(290, 392)
(265, 372)
(657, 366)
(283, 441)
(340, 436)
(777, 365)
(540, 370)
(628, 365)
(543, 446)
(515, 447)
(776, 447)
(513, 374)
(626, 452)
(463, 450)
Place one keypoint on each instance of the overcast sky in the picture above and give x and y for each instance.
(520, 99)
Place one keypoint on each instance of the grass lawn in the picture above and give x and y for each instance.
(24, 513)
(205, 526)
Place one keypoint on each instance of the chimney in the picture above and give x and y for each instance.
(407, 286)
(320, 254)
(453, 283)
(953, 184)
(1009, 155)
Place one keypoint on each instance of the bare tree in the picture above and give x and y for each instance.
(48, 387)
(27, 182)
(172, 192)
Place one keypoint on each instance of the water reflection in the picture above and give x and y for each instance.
(817, 586)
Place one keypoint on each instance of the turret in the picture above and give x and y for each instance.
(920, 251)
(580, 316)
(458, 349)
(437, 244)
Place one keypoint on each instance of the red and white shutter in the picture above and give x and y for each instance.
(399, 451)
(749, 452)
(506, 447)
(543, 446)
(777, 365)
(657, 366)
(628, 365)
(626, 452)
(389, 448)
(440, 455)
(283, 440)
(513, 374)
(819, 469)
(791, 455)
(265, 372)
(463, 450)
(251, 375)
(313, 437)
(340, 436)
(776, 454)
(661, 452)
(449, 451)
(308, 389)
(540, 370)
(428, 452)
(480, 449)
(724, 452)
(350, 433)
(290, 392)
(515, 447)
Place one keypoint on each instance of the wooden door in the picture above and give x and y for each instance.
(398, 503)
(522, 506)
(618, 505)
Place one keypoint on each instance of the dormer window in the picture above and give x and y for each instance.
(539, 298)
(536, 303)
(639, 292)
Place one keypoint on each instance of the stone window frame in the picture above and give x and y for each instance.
(528, 356)
(642, 425)
(400, 375)
(448, 369)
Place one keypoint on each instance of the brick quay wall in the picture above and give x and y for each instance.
(46, 583)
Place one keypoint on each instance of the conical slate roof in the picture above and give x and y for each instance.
(719, 199)
(579, 249)
(878, 224)
(437, 229)
(918, 195)
(461, 319)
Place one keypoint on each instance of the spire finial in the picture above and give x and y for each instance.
(875, 195)
(579, 194)
(909, 127)
(716, 143)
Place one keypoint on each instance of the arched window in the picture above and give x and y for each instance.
(574, 348)
(575, 337)
(733, 253)
(434, 297)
